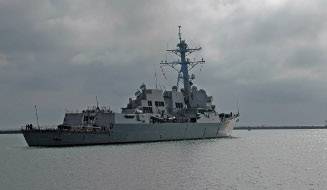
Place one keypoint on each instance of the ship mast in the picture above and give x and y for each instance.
(185, 65)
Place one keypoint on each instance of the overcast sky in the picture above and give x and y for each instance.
(268, 54)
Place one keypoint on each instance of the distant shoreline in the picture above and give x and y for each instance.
(278, 127)
(10, 131)
(236, 128)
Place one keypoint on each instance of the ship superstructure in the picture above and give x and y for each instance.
(152, 115)
(188, 103)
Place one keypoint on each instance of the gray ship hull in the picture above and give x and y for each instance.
(130, 133)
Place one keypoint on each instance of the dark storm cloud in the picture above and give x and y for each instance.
(61, 54)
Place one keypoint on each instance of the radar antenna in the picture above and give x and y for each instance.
(185, 65)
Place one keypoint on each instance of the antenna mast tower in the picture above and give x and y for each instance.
(186, 65)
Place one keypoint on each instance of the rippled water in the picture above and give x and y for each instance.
(257, 159)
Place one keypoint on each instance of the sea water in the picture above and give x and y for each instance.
(256, 159)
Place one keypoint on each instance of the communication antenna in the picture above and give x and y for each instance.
(96, 98)
(238, 107)
(179, 33)
(37, 117)
(155, 76)
(166, 54)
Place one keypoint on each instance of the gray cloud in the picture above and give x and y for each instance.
(61, 54)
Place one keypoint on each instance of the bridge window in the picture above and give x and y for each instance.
(147, 110)
(88, 118)
(159, 104)
(179, 105)
(149, 103)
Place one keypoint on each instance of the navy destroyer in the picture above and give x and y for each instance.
(152, 115)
